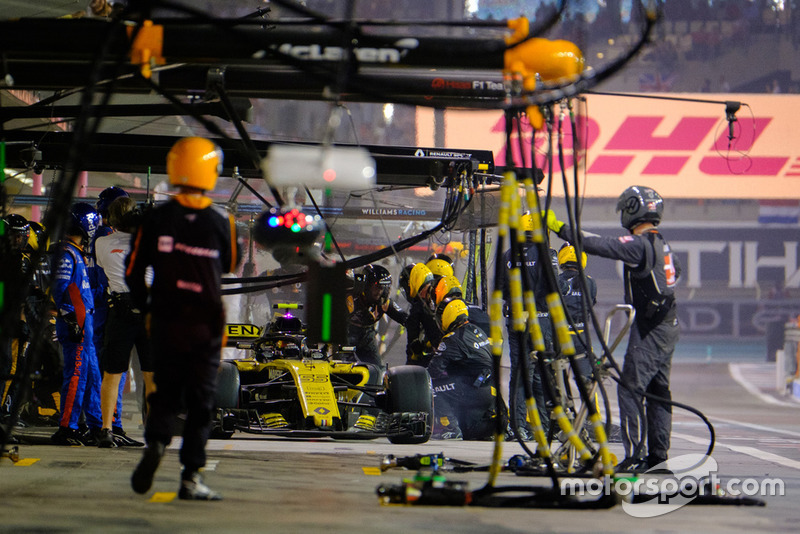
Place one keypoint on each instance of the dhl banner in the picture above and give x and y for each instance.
(682, 149)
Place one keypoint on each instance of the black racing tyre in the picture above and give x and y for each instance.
(228, 386)
(408, 389)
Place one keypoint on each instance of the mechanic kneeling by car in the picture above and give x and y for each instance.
(461, 370)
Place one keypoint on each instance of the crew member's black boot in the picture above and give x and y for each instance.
(142, 477)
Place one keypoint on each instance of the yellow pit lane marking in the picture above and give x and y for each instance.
(25, 462)
(372, 471)
(163, 496)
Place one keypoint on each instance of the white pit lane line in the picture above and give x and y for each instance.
(753, 426)
(749, 451)
(736, 373)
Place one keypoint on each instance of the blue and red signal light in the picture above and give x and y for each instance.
(287, 227)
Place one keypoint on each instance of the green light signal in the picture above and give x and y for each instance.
(327, 305)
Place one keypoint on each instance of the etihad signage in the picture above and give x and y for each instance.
(735, 279)
(680, 148)
(729, 257)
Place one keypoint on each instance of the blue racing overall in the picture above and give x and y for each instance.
(72, 293)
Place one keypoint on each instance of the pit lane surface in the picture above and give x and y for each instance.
(276, 484)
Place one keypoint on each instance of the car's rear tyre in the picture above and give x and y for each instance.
(408, 389)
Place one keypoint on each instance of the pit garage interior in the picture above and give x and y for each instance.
(81, 112)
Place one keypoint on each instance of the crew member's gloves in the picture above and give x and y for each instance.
(417, 347)
(552, 221)
(50, 328)
(74, 330)
(50, 331)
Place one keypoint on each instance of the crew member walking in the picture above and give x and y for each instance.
(189, 244)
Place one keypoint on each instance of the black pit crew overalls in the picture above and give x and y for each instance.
(422, 333)
(362, 325)
(535, 280)
(189, 244)
(569, 283)
(463, 385)
(651, 272)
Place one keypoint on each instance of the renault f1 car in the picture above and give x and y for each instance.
(291, 389)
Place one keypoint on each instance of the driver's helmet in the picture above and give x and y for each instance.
(286, 324)
(377, 283)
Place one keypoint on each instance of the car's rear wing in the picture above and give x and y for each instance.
(239, 334)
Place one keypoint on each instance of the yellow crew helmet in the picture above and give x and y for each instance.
(440, 267)
(453, 314)
(526, 222)
(38, 238)
(449, 286)
(194, 162)
(567, 254)
(419, 276)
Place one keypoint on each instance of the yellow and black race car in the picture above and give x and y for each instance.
(291, 389)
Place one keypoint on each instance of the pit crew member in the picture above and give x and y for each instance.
(651, 273)
(100, 287)
(461, 371)
(189, 244)
(422, 333)
(366, 306)
(124, 326)
(72, 293)
(569, 284)
(531, 270)
(18, 264)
